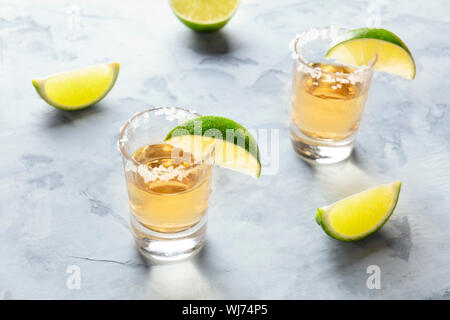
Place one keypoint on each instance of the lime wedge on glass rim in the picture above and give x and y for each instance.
(234, 146)
(204, 15)
(78, 89)
(361, 214)
(359, 46)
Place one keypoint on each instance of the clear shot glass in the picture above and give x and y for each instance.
(327, 99)
(168, 189)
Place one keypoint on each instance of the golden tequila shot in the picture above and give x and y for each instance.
(175, 203)
(326, 110)
(168, 189)
(327, 100)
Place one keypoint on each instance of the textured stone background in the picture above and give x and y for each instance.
(62, 193)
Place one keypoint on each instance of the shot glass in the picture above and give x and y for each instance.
(168, 189)
(327, 100)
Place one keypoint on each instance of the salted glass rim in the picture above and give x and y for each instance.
(315, 34)
(121, 141)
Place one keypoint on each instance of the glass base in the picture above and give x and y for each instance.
(168, 247)
(320, 151)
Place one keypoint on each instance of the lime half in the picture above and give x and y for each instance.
(361, 214)
(78, 89)
(358, 47)
(204, 15)
(234, 146)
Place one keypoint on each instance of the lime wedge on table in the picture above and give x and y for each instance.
(361, 214)
(78, 89)
(234, 146)
(358, 47)
(204, 15)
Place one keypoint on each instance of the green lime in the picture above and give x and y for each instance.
(361, 214)
(234, 146)
(78, 89)
(204, 15)
(359, 46)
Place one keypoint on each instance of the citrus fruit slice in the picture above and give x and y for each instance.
(204, 15)
(234, 146)
(77, 89)
(359, 46)
(361, 214)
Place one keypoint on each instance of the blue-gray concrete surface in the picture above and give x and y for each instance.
(63, 199)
